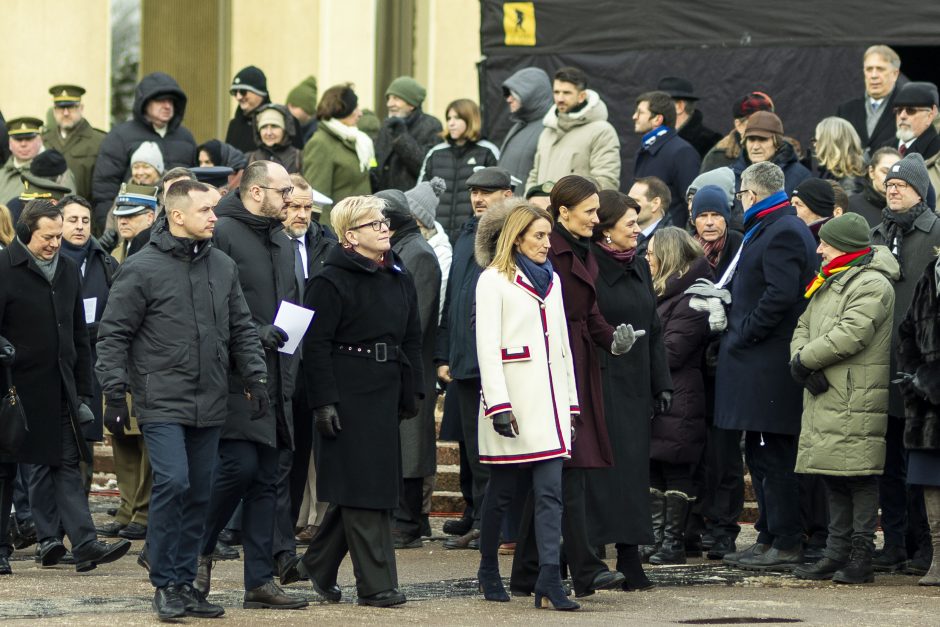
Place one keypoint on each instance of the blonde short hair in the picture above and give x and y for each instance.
(351, 211)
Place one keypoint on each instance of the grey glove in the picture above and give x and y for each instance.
(717, 318)
(84, 414)
(707, 289)
(624, 338)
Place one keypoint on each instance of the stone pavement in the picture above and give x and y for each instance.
(441, 589)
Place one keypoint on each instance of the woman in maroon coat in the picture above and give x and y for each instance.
(574, 204)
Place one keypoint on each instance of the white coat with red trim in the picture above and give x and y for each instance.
(526, 367)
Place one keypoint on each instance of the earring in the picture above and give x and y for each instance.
(607, 240)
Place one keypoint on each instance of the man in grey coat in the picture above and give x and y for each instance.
(529, 94)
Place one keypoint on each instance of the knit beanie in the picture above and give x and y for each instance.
(408, 89)
(48, 164)
(912, 170)
(848, 233)
(816, 194)
(270, 116)
(149, 153)
(711, 198)
(396, 208)
(424, 198)
(304, 95)
(252, 79)
(722, 177)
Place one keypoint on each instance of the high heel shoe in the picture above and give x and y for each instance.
(491, 585)
(549, 592)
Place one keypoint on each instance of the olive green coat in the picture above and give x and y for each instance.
(332, 168)
(846, 332)
(80, 150)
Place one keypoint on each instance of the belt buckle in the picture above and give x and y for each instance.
(381, 351)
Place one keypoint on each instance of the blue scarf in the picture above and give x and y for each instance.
(754, 217)
(539, 274)
(650, 138)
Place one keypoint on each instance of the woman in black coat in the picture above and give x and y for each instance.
(678, 436)
(362, 360)
(618, 498)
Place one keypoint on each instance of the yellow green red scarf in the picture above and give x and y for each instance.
(834, 267)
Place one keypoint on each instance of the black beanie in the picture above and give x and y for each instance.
(817, 194)
(252, 79)
(48, 164)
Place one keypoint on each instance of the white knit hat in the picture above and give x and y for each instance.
(149, 153)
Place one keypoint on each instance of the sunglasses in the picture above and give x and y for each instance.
(910, 110)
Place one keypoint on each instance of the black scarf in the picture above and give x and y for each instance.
(78, 254)
(897, 225)
(579, 245)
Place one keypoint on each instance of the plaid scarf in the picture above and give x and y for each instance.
(713, 249)
(834, 267)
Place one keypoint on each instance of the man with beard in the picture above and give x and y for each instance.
(915, 109)
(256, 450)
(73, 136)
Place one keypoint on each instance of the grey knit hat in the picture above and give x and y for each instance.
(912, 170)
(424, 198)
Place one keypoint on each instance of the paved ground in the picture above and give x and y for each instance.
(441, 590)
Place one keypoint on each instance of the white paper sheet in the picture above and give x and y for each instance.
(91, 307)
(294, 320)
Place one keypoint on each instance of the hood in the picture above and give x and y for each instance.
(594, 111)
(489, 228)
(159, 84)
(161, 237)
(290, 126)
(885, 263)
(231, 206)
(534, 88)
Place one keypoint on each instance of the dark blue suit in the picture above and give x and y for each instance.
(676, 162)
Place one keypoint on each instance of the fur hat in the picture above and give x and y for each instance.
(48, 164)
(489, 228)
(424, 198)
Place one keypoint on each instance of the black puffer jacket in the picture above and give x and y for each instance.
(113, 166)
(284, 152)
(265, 259)
(455, 164)
(400, 150)
(176, 324)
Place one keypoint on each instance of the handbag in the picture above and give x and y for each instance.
(13, 424)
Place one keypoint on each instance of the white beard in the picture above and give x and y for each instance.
(905, 134)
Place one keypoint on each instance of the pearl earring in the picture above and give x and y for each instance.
(608, 240)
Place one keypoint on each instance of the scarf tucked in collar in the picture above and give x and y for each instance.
(579, 245)
(650, 138)
(623, 256)
(897, 225)
(713, 249)
(539, 274)
(837, 265)
(754, 216)
(78, 254)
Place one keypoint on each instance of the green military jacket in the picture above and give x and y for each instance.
(80, 150)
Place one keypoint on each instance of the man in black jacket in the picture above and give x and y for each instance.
(175, 321)
(689, 121)
(255, 452)
(405, 137)
(915, 109)
(250, 90)
(872, 115)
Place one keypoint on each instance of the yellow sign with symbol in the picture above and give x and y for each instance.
(519, 23)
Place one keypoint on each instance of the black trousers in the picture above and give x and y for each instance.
(283, 520)
(814, 509)
(468, 399)
(668, 476)
(303, 443)
(892, 485)
(7, 479)
(722, 500)
(771, 458)
(408, 514)
(366, 534)
(583, 563)
(853, 513)
(21, 492)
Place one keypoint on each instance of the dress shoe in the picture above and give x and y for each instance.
(330, 594)
(168, 604)
(773, 561)
(270, 597)
(383, 599)
(722, 546)
(110, 529)
(224, 552)
(305, 535)
(231, 537)
(732, 559)
(68, 558)
(460, 527)
(195, 604)
(891, 558)
(465, 541)
(404, 541)
(23, 533)
(90, 554)
(203, 581)
(820, 570)
(628, 563)
(50, 552)
(425, 526)
(295, 570)
(507, 548)
(5, 564)
(133, 531)
(143, 559)
(604, 580)
(286, 571)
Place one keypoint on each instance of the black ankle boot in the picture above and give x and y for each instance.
(549, 592)
(859, 569)
(628, 563)
(491, 584)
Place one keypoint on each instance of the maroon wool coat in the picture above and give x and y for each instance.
(587, 330)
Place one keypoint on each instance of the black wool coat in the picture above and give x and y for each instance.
(700, 136)
(265, 259)
(361, 304)
(401, 152)
(46, 325)
(868, 203)
(618, 497)
(883, 134)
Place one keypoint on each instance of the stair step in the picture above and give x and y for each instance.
(444, 501)
(448, 478)
(448, 454)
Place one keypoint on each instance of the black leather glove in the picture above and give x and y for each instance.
(504, 423)
(816, 383)
(396, 125)
(257, 393)
(662, 402)
(272, 337)
(403, 414)
(117, 417)
(327, 421)
(7, 353)
(798, 371)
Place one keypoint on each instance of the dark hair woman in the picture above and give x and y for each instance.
(619, 497)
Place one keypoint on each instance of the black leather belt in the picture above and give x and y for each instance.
(379, 352)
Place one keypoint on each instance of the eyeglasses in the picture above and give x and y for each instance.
(375, 224)
(239, 92)
(741, 193)
(285, 192)
(898, 186)
(910, 110)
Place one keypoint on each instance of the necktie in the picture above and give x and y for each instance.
(902, 149)
(299, 269)
(874, 106)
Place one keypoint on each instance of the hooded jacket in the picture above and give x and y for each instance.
(113, 165)
(534, 90)
(582, 142)
(241, 130)
(284, 152)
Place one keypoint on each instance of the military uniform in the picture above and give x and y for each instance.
(34, 187)
(11, 184)
(80, 146)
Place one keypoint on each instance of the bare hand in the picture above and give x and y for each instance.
(443, 373)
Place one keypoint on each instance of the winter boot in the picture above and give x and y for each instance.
(932, 501)
(628, 563)
(491, 584)
(658, 509)
(672, 550)
(859, 569)
(549, 591)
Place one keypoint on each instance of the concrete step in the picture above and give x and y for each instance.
(448, 454)
(444, 501)
(448, 478)
(104, 457)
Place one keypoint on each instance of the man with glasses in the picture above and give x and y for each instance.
(911, 231)
(250, 91)
(915, 109)
(871, 115)
(255, 450)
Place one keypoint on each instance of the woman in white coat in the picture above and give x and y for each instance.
(528, 385)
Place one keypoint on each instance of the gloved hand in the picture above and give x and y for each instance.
(717, 317)
(85, 415)
(327, 421)
(7, 353)
(624, 338)
(272, 337)
(905, 383)
(816, 383)
(396, 125)
(707, 289)
(798, 371)
(926, 381)
(117, 417)
(662, 402)
(504, 423)
(407, 415)
(257, 393)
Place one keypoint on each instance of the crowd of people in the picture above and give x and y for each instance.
(610, 361)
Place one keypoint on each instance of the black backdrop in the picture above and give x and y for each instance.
(806, 56)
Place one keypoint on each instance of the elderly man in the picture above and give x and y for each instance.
(911, 231)
(73, 136)
(915, 109)
(405, 136)
(872, 115)
(753, 390)
(25, 144)
(134, 211)
(250, 91)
